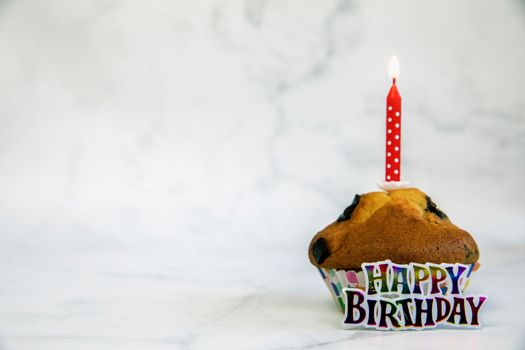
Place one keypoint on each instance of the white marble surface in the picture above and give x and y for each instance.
(163, 165)
(165, 299)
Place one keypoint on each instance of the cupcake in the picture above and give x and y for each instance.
(403, 225)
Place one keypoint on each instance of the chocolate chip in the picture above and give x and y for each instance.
(320, 250)
(347, 213)
(432, 207)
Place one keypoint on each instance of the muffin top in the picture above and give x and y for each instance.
(402, 225)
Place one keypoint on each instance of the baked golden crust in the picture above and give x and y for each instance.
(402, 225)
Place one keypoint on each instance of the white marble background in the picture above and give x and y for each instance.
(155, 152)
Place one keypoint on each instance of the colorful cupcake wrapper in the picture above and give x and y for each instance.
(337, 280)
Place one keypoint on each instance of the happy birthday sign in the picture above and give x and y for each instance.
(413, 296)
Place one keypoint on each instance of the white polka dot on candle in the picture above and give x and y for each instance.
(397, 125)
(389, 119)
(396, 171)
(389, 131)
(388, 166)
(396, 148)
(396, 160)
(397, 114)
(389, 142)
(389, 108)
(397, 137)
(389, 154)
(388, 177)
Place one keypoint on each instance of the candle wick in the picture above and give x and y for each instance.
(394, 81)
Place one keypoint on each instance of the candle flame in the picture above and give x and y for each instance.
(393, 68)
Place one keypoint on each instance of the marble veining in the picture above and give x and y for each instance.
(164, 165)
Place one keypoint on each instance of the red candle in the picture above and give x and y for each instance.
(393, 127)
